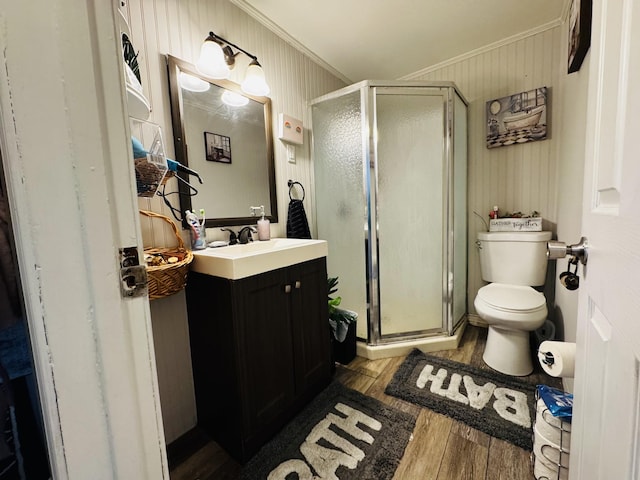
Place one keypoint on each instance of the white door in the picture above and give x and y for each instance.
(67, 158)
(604, 443)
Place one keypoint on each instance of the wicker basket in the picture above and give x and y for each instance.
(165, 280)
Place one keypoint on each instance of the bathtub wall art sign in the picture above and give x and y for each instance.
(518, 118)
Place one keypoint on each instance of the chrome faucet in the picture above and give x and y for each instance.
(244, 235)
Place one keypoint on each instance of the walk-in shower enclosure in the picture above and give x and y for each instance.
(390, 169)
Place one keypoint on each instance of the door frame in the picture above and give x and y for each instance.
(64, 137)
(606, 428)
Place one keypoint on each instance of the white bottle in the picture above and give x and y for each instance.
(198, 240)
(264, 227)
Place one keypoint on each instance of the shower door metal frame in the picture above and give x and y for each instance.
(446, 90)
(453, 324)
(367, 89)
(371, 231)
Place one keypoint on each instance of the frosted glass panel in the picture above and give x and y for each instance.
(340, 200)
(413, 196)
(411, 180)
(459, 210)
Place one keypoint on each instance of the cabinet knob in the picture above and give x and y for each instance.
(298, 283)
(287, 289)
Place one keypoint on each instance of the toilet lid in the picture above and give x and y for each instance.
(511, 297)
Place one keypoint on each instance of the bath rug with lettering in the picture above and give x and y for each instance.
(498, 405)
(341, 432)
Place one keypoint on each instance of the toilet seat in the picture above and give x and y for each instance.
(512, 298)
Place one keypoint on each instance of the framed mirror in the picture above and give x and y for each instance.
(229, 145)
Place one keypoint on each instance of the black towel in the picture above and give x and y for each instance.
(297, 225)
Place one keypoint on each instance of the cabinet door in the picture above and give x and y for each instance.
(310, 326)
(264, 348)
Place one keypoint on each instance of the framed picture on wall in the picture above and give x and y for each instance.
(579, 33)
(217, 148)
(518, 118)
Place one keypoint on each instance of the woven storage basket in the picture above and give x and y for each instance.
(165, 280)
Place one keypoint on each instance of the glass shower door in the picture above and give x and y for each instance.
(411, 168)
(341, 197)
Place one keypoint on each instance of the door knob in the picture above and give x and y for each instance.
(557, 250)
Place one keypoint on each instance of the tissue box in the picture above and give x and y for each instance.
(531, 224)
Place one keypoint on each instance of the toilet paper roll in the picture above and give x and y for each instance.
(558, 359)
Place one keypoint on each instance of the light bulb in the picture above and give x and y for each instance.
(254, 82)
(211, 61)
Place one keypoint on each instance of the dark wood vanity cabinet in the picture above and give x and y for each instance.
(260, 351)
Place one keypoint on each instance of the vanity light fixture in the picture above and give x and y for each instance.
(217, 59)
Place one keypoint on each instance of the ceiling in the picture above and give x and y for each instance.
(389, 39)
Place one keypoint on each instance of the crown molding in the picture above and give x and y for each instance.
(268, 23)
(487, 48)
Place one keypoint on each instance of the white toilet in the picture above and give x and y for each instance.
(513, 262)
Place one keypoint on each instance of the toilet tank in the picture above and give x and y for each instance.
(515, 258)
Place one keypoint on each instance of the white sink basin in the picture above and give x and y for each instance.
(240, 261)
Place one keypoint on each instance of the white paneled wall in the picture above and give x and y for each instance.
(160, 27)
(517, 177)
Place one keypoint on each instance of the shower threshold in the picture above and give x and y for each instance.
(426, 344)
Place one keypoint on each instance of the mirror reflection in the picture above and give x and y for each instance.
(225, 136)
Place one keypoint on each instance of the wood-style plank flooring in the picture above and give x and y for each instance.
(441, 448)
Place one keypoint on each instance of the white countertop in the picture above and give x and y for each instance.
(241, 261)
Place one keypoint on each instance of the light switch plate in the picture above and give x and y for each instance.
(291, 153)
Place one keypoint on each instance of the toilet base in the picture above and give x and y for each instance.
(508, 351)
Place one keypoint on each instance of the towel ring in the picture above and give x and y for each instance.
(291, 183)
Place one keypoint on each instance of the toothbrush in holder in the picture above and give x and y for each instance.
(203, 231)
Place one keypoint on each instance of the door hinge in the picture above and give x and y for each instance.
(133, 276)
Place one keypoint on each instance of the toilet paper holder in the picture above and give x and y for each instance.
(548, 359)
(556, 250)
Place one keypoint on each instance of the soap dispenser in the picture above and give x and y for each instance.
(264, 225)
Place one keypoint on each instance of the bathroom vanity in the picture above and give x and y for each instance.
(259, 334)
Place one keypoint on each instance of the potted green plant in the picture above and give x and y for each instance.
(343, 326)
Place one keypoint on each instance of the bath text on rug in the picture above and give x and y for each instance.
(509, 404)
(326, 461)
